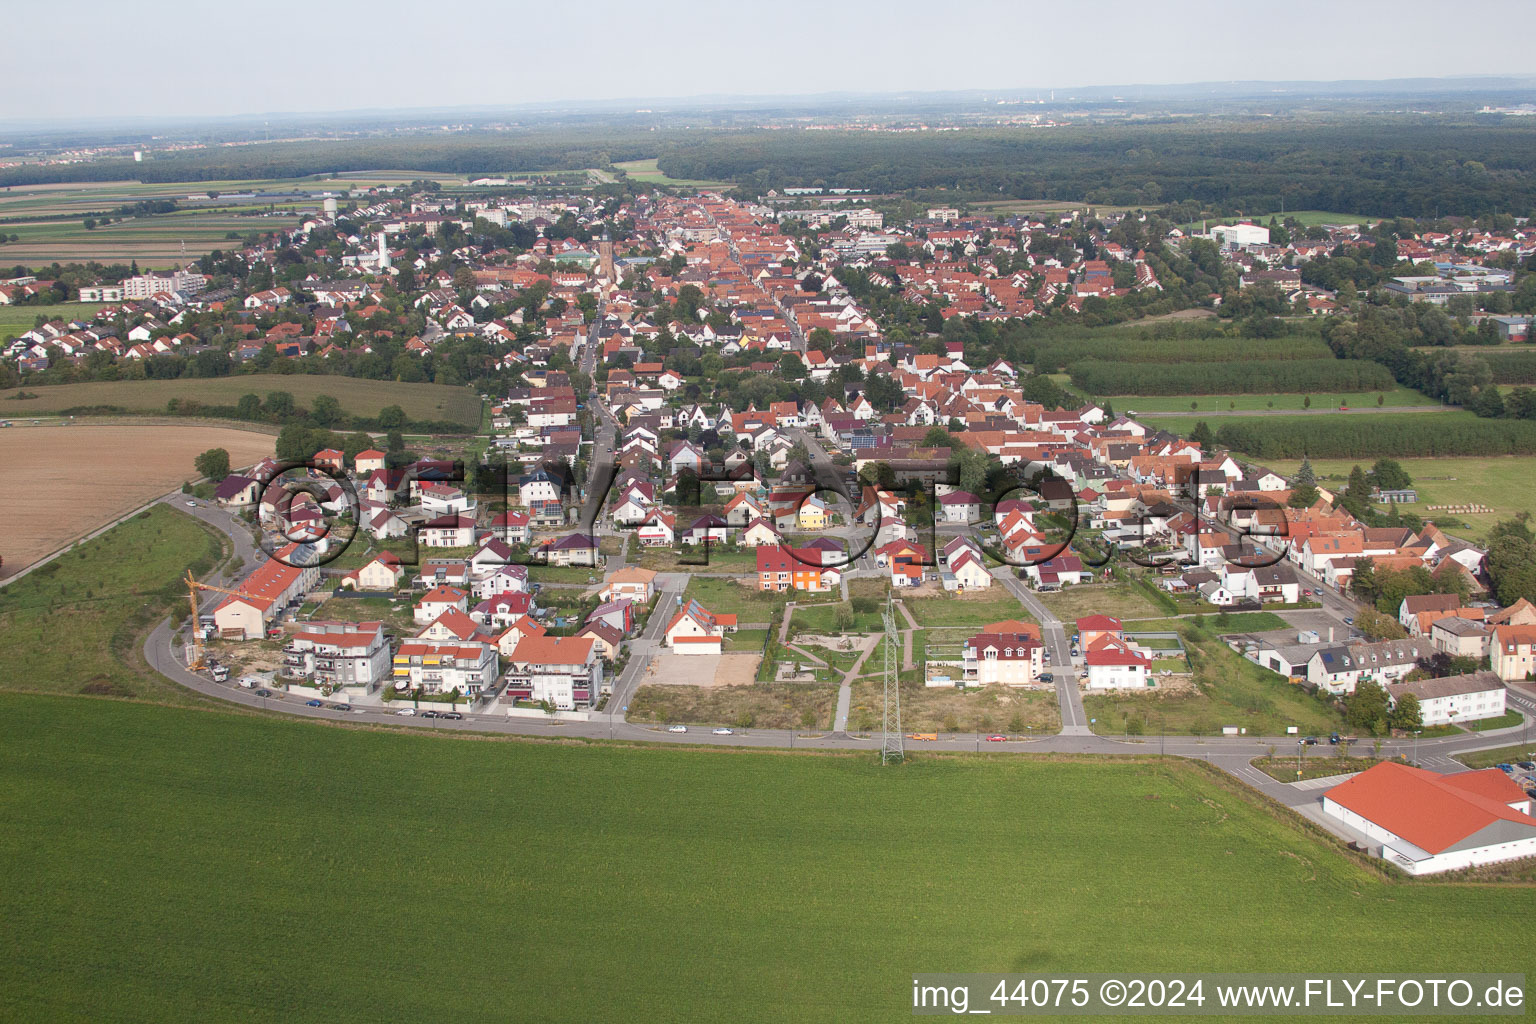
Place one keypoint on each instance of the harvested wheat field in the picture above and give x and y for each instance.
(64, 482)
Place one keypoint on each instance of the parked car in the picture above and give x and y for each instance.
(341, 707)
(429, 714)
(722, 732)
(191, 504)
(453, 715)
(1507, 769)
(1349, 622)
(407, 712)
(1529, 766)
(313, 704)
(677, 728)
(997, 739)
(1047, 677)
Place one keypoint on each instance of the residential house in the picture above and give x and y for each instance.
(1006, 659)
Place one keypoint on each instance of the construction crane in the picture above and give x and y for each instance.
(193, 586)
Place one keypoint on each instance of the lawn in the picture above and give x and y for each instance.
(972, 608)
(358, 397)
(173, 863)
(725, 595)
(1120, 600)
(75, 625)
(822, 618)
(1504, 484)
(1217, 404)
(1227, 691)
(1504, 721)
(1500, 755)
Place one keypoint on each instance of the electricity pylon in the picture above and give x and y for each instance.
(891, 745)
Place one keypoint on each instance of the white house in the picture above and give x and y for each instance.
(1115, 665)
(1010, 659)
(1450, 699)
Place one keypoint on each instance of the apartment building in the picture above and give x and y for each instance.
(563, 670)
(338, 654)
(438, 666)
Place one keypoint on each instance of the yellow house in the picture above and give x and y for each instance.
(813, 514)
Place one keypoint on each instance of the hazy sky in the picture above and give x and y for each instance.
(158, 58)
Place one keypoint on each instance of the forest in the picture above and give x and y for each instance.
(1386, 166)
(1381, 165)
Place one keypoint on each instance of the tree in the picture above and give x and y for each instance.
(1406, 715)
(213, 464)
(249, 407)
(1366, 708)
(325, 410)
(1202, 435)
(938, 437)
(1305, 474)
(842, 619)
(1389, 475)
(1359, 488)
(279, 404)
(791, 367)
(391, 416)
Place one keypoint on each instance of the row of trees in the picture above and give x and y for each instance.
(1406, 434)
(1268, 376)
(1206, 342)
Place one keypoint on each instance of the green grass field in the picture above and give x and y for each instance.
(16, 320)
(155, 241)
(1118, 599)
(1504, 484)
(175, 865)
(357, 396)
(72, 625)
(973, 608)
(646, 172)
(1364, 401)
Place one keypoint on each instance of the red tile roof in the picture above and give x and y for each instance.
(1433, 812)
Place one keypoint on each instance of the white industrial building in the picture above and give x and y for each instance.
(1428, 823)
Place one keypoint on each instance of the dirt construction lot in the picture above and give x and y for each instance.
(702, 669)
(63, 482)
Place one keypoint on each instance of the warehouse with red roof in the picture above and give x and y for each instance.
(1428, 823)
